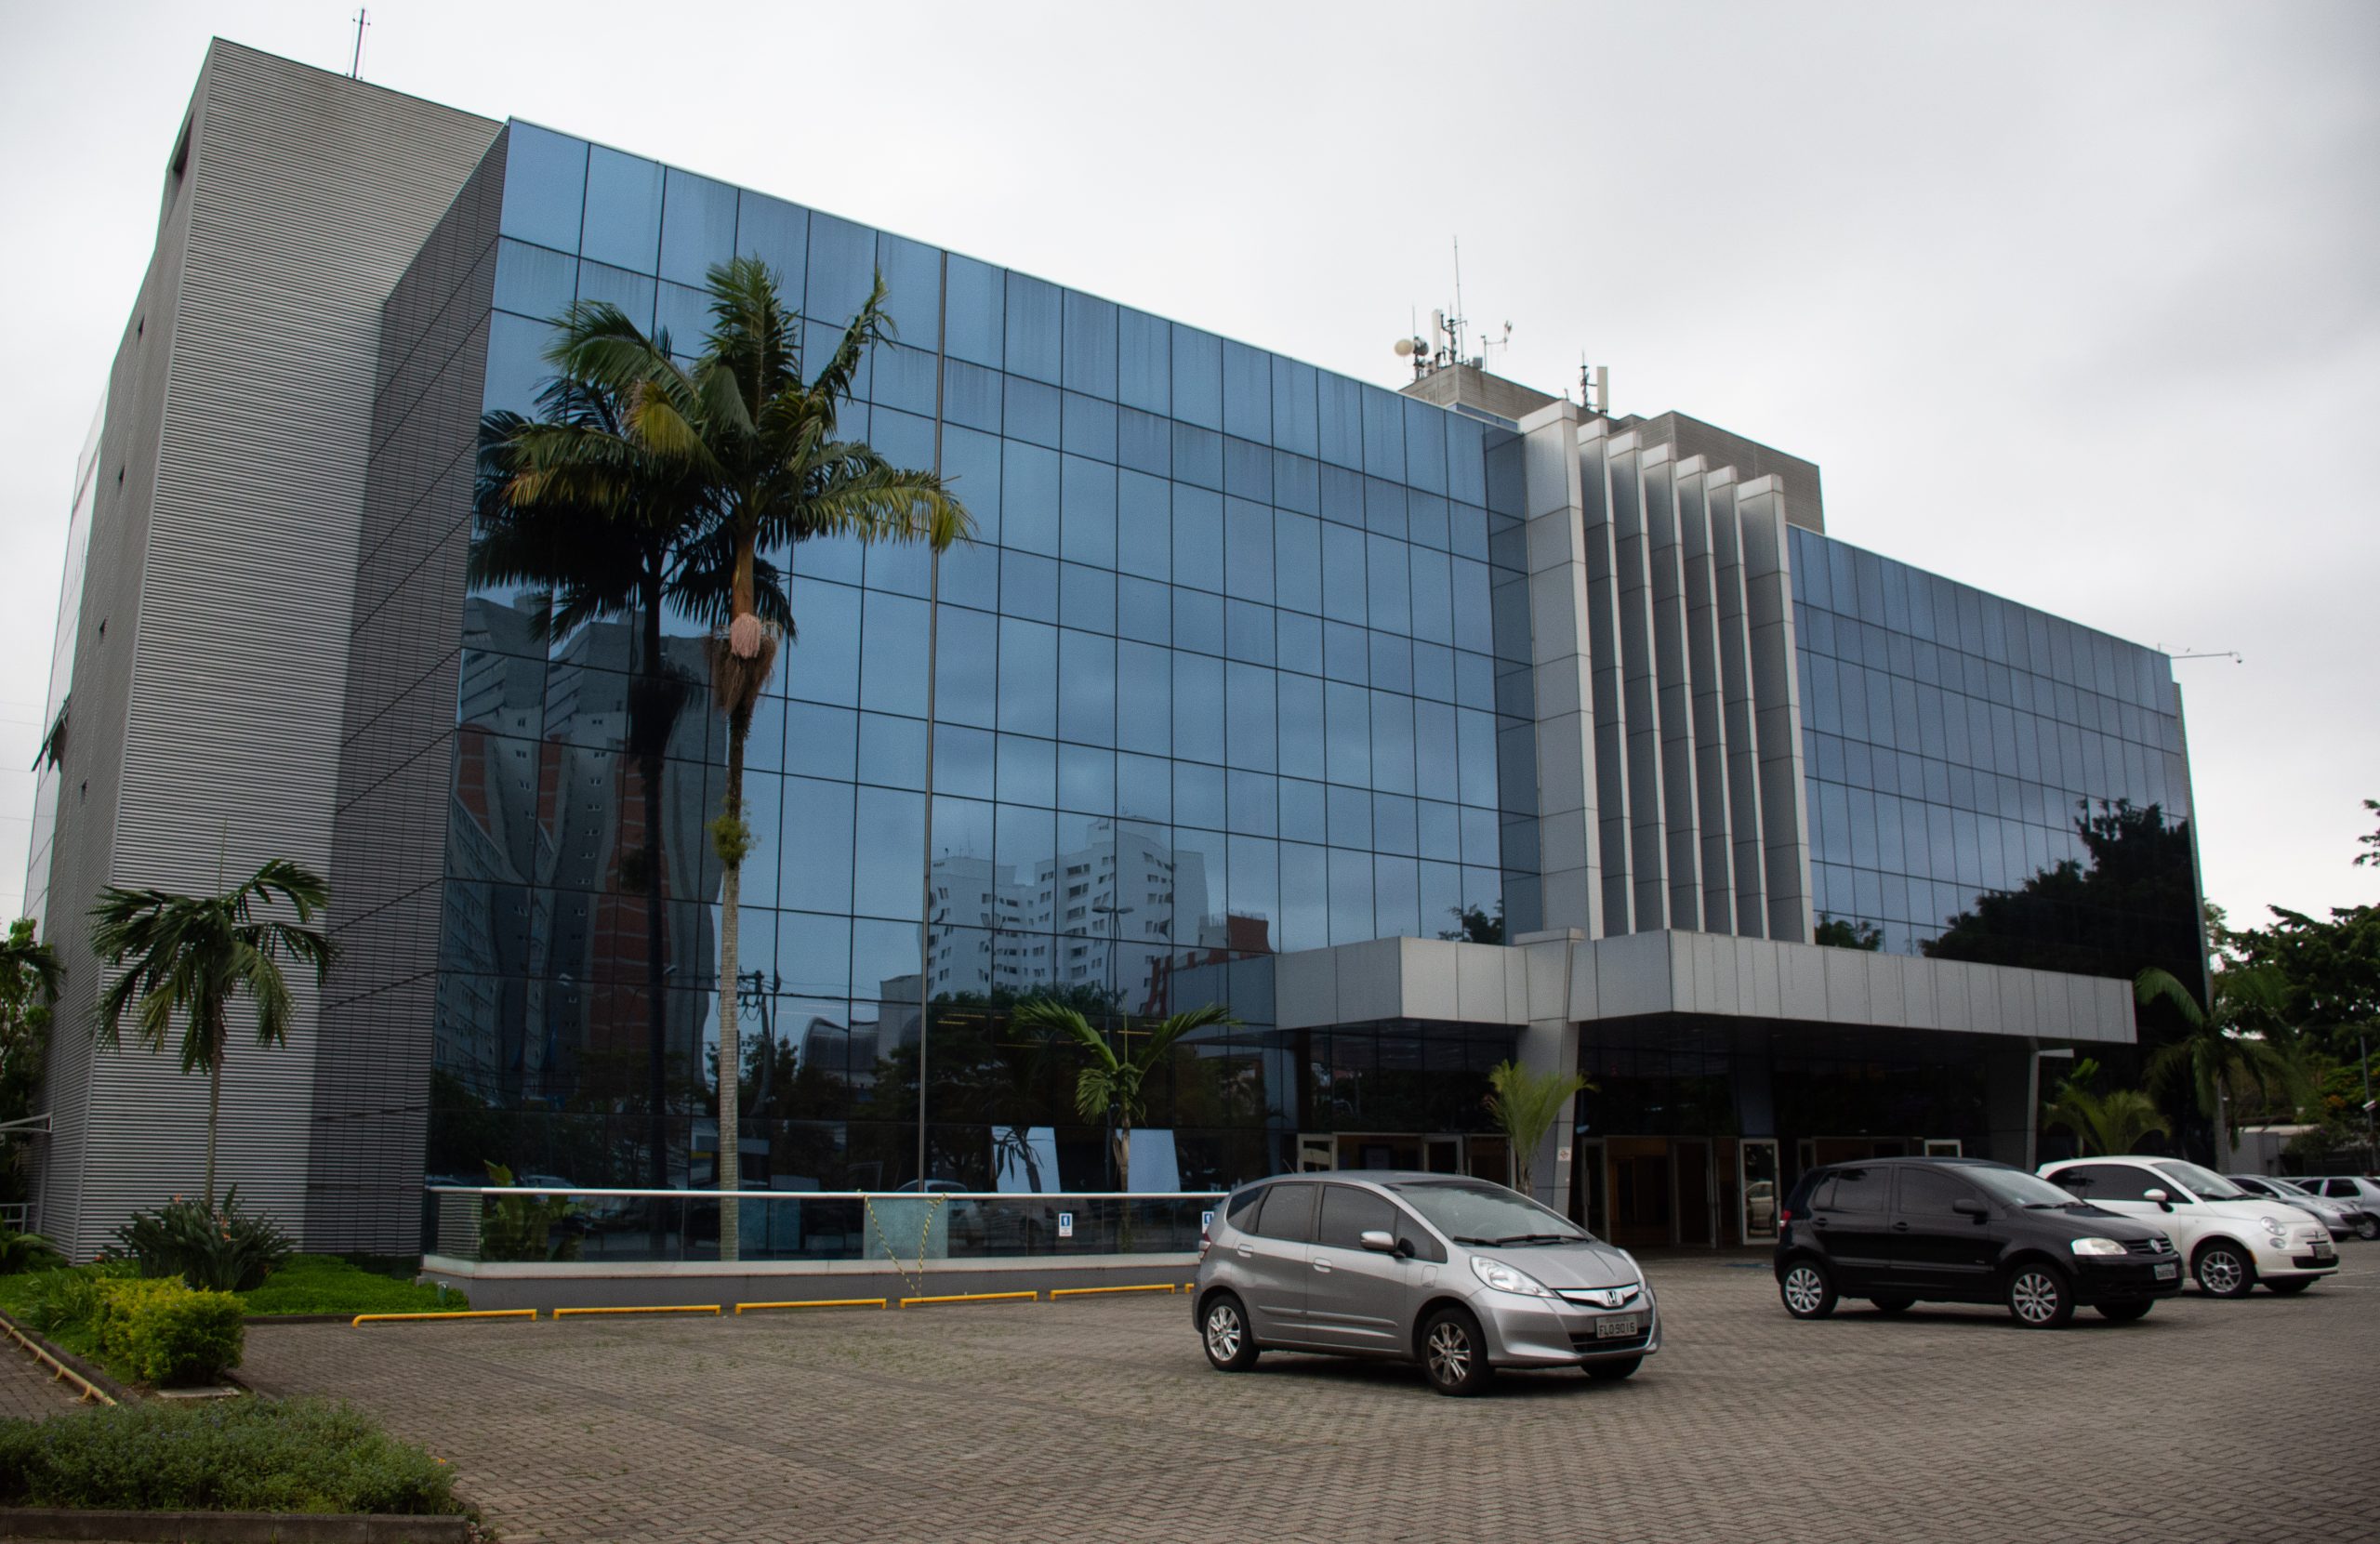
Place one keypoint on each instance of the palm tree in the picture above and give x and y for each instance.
(2106, 1122)
(1114, 1087)
(30, 980)
(2220, 1044)
(1526, 1104)
(191, 954)
(762, 442)
(570, 504)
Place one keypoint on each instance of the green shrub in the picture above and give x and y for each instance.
(217, 1251)
(21, 1252)
(161, 1332)
(326, 1283)
(244, 1455)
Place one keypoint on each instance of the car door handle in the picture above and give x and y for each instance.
(1817, 1221)
(1246, 1253)
(1901, 1227)
(1323, 1266)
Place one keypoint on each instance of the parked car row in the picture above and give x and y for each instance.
(2112, 1234)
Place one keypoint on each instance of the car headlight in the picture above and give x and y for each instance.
(2274, 1224)
(2095, 1247)
(1503, 1278)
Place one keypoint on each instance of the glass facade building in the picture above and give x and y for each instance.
(1420, 728)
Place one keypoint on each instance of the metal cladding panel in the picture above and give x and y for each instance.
(1769, 592)
(1734, 647)
(1639, 712)
(1710, 748)
(1605, 676)
(302, 197)
(1674, 688)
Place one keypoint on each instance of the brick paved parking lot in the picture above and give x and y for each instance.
(1098, 1419)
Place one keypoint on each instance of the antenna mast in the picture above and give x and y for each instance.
(355, 65)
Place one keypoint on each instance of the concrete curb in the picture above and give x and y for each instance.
(105, 1380)
(227, 1527)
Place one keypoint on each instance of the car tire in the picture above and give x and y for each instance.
(1612, 1372)
(1807, 1288)
(2224, 1270)
(2367, 1227)
(2126, 1313)
(1223, 1330)
(1889, 1306)
(2289, 1287)
(2039, 1296)
(1454, 1352)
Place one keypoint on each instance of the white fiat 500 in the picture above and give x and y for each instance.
(2231, 1239)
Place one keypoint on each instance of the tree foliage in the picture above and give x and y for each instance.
(1524, 1103)
(1837, 932)
(2113, 1122)
(1113, 1085)
(2133, 906)
(30, 979)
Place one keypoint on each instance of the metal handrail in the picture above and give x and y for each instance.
(836, 1195)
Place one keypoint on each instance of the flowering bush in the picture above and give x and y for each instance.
(222, 1250)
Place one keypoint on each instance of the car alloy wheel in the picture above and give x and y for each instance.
(1224, 1331)
(1453, 1354)
(2037, 1299)
(2224, 1272)
(2367, 1227)
(1807, 1293)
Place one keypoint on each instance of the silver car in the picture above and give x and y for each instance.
(2336, 1216)
(1458, 1275)
(2360, 1194)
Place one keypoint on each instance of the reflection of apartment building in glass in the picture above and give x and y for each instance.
(1425, 729)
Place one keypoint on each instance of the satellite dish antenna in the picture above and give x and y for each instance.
(1403, 348)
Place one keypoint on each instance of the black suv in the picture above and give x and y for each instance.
(1898, 1230)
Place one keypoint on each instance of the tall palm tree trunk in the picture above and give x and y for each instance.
(731, 1057)
(214, 1112)
(1121, 1143)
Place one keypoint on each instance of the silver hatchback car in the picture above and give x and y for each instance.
(1458, 1275)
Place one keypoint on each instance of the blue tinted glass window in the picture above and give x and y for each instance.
(685, 316)
(1248, 632)
(1034, 325)
(1297, 483)
(1090, 427)
(1197, 708)
(1389, 588)
(1031, 411)
(1198, 621)
(1089, 364)
(1396, 898)
(1247, 392)
(1300, 748)
(1294, 410)
(912, 288)
(697, 225)
(1197, 378)
(962, 764)
(888, 854)
(971, 395)
(545, 186)
(1199, 796)
(893, 654)
(1144, 525)
(1029, 678)
(1027, 769)
(1143, 699)
(1339, 406)
(1144, 357)
(1144, 609)
(1143, 443)
(1351, 897)
(1425, 446)
(1029, 498)
(1086, 688)
(1385, 507)
(1250, 742)
(971, 467)
(1391, 662)
(1248, 551)
(1383, 432)
(1343, 583)
(1305, 886)
(1304, 809)
(1433, 588)
(1089, 500)
(842, 270)
(817, 871)
(1346, 652)
(904, 378)
(623, 210)
(1086, 780)
(1087, 598)
(1145, 788)
(617, 286)
(976, 305)
(1466, 465)
(777, 233)
(1197, 537)
(821, 663)
(1297, 562)
(1029, 586)
(532, 282)
(820, 741)
(892, 751)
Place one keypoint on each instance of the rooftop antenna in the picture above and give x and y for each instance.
(2232, 655)
(1595, 386)
(355, 65)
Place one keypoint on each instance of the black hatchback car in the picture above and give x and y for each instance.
(1900, 1231)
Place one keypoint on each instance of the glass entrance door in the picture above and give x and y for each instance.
(1696, 1196)
(1590, 1201)
(1761, 1187)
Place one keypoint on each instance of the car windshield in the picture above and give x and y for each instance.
(2286, 1188)
(2018, 1188)
(1470, 1212)
(2204, 1183)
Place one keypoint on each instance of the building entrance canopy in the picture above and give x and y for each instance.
(1558, 977)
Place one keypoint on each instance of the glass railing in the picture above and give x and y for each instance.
(524, 1224)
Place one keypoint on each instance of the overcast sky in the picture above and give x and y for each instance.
(2080, 304)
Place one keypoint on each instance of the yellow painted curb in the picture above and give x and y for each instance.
(1057, 1292)
(818, 1303)
(60, 1370)
(459, 1314)
(969, 1296)
(710, 1308)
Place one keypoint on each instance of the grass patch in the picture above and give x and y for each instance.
(245, 1455)
(329, 1283)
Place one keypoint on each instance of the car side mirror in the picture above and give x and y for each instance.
(1380, 1241)
(2159, 1196)
(1967, 1206)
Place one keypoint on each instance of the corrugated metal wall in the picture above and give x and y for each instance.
(208, 714)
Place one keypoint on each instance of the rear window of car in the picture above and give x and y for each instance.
(1855, 1190)
(1240, 1212)
(1288, 1213)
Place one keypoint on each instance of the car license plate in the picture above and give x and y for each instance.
(2322, 1249)
(2170, 1271)
(1619, 1325)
